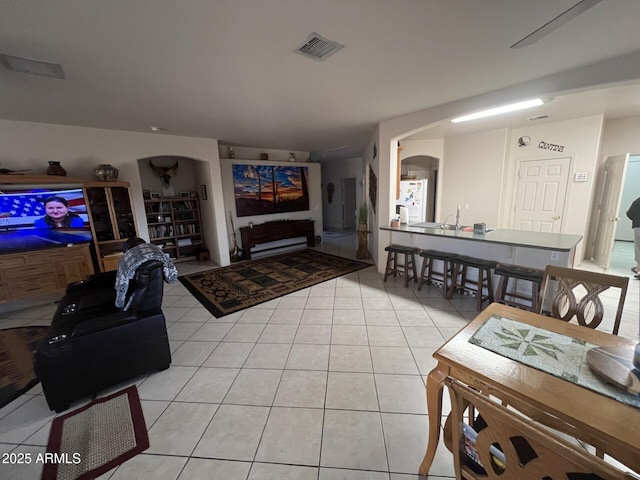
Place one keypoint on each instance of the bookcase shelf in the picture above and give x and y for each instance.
(175, 225)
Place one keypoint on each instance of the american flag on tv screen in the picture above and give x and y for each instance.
(21, 209)
(28, 205)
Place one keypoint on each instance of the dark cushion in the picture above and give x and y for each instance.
(523, 273)
(438, 255)
(400, 249)
(475, 262)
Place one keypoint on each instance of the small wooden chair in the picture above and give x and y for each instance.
(513, 297)
(570, 293)
(408, 268)
(461, 282)
(428, 273)
(502, 444)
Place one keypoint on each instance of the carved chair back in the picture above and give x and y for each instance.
(502, 444)
(568, 293)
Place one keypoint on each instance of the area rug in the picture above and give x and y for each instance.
(16, 361)
(93, 439)
(229, 289)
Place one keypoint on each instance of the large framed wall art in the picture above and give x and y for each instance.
(269, 189)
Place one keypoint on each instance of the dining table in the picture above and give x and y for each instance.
(502, 353)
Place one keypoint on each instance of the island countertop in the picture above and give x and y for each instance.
(561, 242)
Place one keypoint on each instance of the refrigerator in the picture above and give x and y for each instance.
(413, 195)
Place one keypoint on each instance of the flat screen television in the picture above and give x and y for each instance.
(40, 218)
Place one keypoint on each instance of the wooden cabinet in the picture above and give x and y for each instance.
(42, 272)
(174, 224)
(112, 220)
(267, 232)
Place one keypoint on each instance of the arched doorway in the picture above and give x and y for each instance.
(423, 167)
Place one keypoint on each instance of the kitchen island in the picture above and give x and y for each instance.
(518, 247)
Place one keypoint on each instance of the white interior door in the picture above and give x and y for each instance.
(348, 203)
(607, 208)
(542, 190)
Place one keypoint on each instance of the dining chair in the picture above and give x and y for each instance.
(568, 293)
(499, 443)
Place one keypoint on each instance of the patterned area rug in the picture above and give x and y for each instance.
(16, 360)
(94, 439)
(230, 289)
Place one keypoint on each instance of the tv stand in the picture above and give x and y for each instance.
(41, 272)
(274, 231)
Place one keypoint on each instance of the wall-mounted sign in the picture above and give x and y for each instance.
(581, 177)
(550, 146)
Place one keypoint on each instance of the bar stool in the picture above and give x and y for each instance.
(401, 268)
(427, 267)
(460, 269)
(510, 297)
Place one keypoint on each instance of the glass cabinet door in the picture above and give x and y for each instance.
(100, 214)
(112, 219)
(125, 223)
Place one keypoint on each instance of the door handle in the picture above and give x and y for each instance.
(555, 217)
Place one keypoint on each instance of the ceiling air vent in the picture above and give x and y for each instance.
(539, 117)
(31, 66)
(318, 47)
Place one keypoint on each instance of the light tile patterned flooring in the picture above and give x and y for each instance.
(326, 383)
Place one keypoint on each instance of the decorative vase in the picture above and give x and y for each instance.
(56, 169)
(107, 173)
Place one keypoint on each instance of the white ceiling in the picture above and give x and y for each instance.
(226, 69)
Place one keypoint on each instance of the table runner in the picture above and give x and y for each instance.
(550, 352)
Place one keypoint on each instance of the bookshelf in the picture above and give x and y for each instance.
(174, 224)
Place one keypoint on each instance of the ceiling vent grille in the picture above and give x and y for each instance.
(318, 47)
(539, 117)
(31, 66)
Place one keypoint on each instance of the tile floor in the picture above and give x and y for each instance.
(326, 383)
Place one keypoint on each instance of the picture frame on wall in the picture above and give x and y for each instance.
(203, 192)
(269, 189)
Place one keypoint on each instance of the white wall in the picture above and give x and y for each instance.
(80, 150)
(621, 136)
(472, 177)
(334, 172)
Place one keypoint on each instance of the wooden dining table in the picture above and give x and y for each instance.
(613, 427)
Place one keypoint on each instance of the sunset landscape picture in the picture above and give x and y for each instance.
(268, 189)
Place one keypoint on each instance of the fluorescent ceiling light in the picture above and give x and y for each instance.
(498, 110)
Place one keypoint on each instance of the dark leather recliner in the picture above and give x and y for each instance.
(93, 345)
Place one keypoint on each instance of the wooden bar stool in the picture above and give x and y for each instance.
(510, 297)
(461, 282)
(401, 268)
(428, 274)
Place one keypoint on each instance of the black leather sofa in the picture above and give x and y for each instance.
(92, 345)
